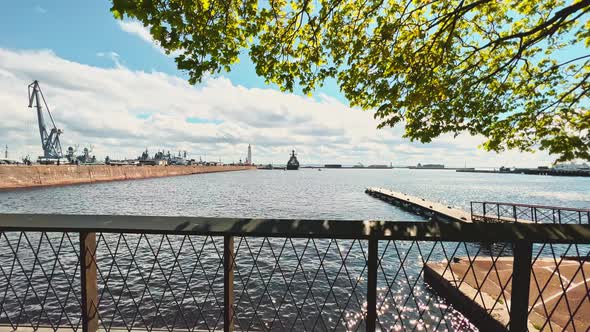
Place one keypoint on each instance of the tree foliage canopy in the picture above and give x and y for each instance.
(514, 71)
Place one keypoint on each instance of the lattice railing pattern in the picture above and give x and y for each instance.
(39, 280)
(300, 284)
(407, 303)
(161, 282)
(560, 288)
(176, 282)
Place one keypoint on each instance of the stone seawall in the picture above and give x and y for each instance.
(12, 177)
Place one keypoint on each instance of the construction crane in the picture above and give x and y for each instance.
(49, 141)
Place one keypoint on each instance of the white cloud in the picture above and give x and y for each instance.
(40, 10)
(121, 112)
(136, 28)
(113, 56)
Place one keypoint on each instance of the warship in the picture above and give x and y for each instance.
(293, 164)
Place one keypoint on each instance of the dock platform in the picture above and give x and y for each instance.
(420, 206)
(464, 284)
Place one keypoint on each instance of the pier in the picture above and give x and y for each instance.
(485, 212)
(420, 206)
(550, 291)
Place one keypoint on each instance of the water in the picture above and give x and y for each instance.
(329, 194)
(273, 275)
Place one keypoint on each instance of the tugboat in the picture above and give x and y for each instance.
(293, 164)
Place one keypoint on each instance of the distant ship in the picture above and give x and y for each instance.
(293, 164)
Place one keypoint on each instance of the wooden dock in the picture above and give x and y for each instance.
(420, 206)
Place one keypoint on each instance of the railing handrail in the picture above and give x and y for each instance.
(533, 206)
(294, 228)
(521, 235)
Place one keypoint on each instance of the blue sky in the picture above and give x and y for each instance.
(78, 30)
(111, 87)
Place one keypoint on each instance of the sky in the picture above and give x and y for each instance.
(109, 86)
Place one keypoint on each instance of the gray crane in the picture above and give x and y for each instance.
(49, 141)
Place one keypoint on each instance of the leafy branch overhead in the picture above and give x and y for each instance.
(514, 71)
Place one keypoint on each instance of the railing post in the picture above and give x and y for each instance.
(521, 281)
(228, 283)
(371, 319)
(88, 281)
(514, 212)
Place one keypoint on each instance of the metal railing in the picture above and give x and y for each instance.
(169, 273)
(511, 212)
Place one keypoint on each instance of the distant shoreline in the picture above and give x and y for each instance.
(526, 171)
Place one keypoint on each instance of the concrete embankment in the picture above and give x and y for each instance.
(12, 177)
(481, 288)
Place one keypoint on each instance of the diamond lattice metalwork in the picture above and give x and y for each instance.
(560, 288)
(171, 282)
(406, 300)
(300, 284)
(39, 280)
(159, 281)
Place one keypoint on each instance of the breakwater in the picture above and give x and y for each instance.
(12, 177)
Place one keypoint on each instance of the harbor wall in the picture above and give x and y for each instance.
(12, 177)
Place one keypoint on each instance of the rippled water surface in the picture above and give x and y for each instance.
(163, 281)
(308, 193)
